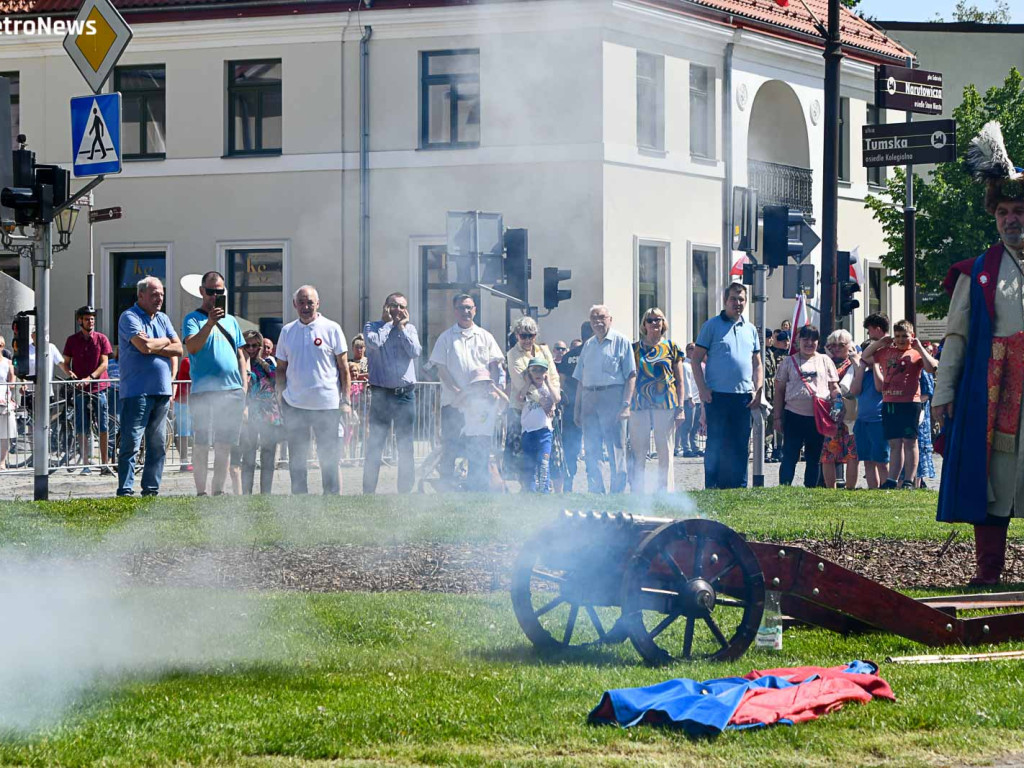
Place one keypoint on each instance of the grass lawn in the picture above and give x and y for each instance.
(415, 678)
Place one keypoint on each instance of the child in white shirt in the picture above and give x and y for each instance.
(480, 402)
(538, 403)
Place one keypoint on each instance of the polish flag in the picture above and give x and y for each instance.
(800, 319)
(856, 266)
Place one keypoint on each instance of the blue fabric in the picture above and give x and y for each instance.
(925, 463)
(605, 363)
(695, 707)
(536, 447)
(143, 374)
(391, 356)
(871, 442)
(728, 443)
(143, 414)
(963, 497)
(214, 368)
(730, 346)
(869, 402)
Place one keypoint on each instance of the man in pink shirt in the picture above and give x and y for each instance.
(85, 359)
(900, 357)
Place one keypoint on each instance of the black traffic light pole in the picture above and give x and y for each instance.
(830, 182)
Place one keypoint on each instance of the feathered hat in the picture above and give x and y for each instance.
(989, 163)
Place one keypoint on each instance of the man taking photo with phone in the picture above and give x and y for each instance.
(220, 375)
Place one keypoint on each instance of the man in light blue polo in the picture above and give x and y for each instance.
(606, 372)
(730, 384)
(147, 342)
(220, 373)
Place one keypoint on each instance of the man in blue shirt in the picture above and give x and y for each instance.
(220, 373)
(147, 343)
(730, 386)
(392, 347)
(606, 372)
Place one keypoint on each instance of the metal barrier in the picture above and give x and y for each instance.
(75, 413)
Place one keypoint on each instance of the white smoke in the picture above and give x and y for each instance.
(71, 623)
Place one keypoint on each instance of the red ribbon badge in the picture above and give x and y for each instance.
(318, 342)
(983, 278)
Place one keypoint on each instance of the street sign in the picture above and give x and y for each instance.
(797, 279)
(908, 90)
(96, 134)
(105, 214)
(930, 141)
(96, 41)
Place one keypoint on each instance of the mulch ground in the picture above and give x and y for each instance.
(457, 568)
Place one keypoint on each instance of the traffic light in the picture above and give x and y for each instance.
(782, 235)
(517, 272)
(36, 189)
(552, 293)
(22, 340)
(846, 301)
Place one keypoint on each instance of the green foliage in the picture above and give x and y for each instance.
(964, 11)
(952, 223)
(851, 4)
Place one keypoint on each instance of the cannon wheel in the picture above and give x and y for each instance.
(693, 590)
(548, 605)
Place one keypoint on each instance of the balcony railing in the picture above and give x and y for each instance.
(778, 184)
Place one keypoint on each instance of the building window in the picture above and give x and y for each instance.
(438, 288)
(878, 291)
(651, 282)
(844, 139)
(650, 101)
(450, 99)
(255, 283)
(14, 79)
(702, 112)
(127, 268)
(700, 288)
(254, 107)
(143, 115)
(876, 176)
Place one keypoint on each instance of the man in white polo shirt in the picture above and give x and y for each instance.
(458, 353)
(312, 380)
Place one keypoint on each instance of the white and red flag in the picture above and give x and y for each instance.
(800, 319)
(782, 3)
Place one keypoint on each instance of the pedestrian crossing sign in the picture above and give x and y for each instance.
(96, 134)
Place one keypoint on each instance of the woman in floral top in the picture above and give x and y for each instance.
(658, 400)
(263, 429)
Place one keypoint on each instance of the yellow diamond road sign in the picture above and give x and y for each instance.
(97, 40)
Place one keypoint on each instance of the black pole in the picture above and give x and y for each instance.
(830, 166)
(910, 241)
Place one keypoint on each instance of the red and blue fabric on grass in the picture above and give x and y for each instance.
(763, 697)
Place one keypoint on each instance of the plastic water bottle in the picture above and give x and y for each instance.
(769, 634)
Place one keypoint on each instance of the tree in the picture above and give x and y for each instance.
(964, 12)
(952, 223)
(851, 4)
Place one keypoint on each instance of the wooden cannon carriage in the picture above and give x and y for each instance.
(686, 589)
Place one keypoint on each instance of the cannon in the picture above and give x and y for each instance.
(695, 589)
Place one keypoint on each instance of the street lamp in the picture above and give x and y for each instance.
(65, 221)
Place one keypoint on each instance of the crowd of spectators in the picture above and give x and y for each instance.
(528, 414)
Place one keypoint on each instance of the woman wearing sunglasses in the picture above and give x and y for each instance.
(658, 401)
(518, 358)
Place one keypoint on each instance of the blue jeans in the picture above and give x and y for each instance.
(90, 406)
(387, 407)
(144, 414)
(686, 438)
(728, 446)
(536, 457)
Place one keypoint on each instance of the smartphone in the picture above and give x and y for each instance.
(221, 302)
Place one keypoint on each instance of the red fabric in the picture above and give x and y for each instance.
(83, 354)
(810, 700)
(783, 3)
(181, 391)
(990, 269)
(1005, 386)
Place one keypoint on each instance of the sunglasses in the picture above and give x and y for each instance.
(654, 320)
(215, 291)
(561, 349)
(527, 335)
(254, 345)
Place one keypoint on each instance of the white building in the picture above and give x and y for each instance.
(613, 130)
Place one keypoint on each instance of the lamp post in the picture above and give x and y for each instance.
(65, 221)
